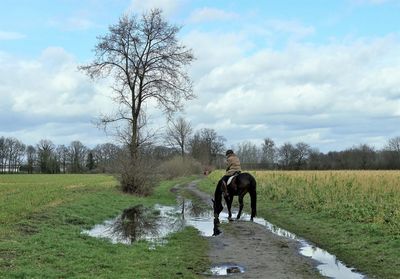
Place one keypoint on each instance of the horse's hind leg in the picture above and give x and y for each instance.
(240, 206)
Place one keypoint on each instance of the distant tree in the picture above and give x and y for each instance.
(162, 153)
(77, 154)
(62, 155)
(268, 152)
(14, 151)
(178, 133)
(301, 153)
(248, 153)
(286, 154)
(391, 153)
(90, 163)
(316, 160)
(206, 145)
(31, 158)
(106, 156)
(147, 62)
(3, 153)
(46, 157)
(367, 156)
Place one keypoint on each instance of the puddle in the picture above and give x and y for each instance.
(226, 269)
(329, 265)
(153, 225)
(139, 223)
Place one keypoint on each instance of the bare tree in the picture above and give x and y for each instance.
(77, 154)
(248, 153)
(3, 153)
(46, 157)
(268, 152)
(394, 144)
(392, 153)
(62, 155)
(31, 158)
(105, 156)
(206, 145)
(286, 155)
(301, 153)
(178, 133)
(146, 61)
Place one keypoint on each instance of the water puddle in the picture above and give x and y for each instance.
(226, 269)
(329, 265)
(153, 225)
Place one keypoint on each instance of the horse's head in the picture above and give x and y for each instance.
(217, 201)
(217, 206)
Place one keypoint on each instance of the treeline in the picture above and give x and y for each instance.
(46, 157)
(204, 146)
(301, 156)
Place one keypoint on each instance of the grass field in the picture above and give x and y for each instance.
(353, 214)
(42, 217)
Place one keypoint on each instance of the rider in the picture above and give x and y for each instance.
(232, 168)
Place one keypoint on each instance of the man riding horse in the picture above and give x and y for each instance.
(232, 168)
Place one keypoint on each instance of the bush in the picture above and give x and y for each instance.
(137, 177)
(179, 166)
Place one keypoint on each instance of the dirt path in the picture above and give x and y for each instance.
(259, 251)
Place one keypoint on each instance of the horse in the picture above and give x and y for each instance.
(245, 183)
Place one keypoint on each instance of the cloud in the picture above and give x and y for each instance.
(74, 23)
(169, 7)
(5, 36)
(49, 93)
(331, 96)
(207, 14)
(295, 28)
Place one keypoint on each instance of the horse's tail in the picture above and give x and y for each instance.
(253, 196)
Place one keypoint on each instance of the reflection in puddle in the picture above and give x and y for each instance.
(140, 223)
(226, 269)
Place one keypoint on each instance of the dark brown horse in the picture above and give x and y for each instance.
(243, 183)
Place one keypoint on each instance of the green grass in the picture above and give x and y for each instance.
(343, 217)
(42, 217)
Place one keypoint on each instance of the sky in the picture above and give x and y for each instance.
(317, 71)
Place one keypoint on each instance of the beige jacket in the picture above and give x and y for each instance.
(232, 164)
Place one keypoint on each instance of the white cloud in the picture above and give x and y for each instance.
(5, 36)
(331, 96)
(207, 14)
(169, 7)
(295, 28)
(48, 94)
(74, 23)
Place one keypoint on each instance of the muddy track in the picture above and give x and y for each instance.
(251, 246)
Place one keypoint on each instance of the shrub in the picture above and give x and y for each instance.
(136, 177)
(179, 166)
